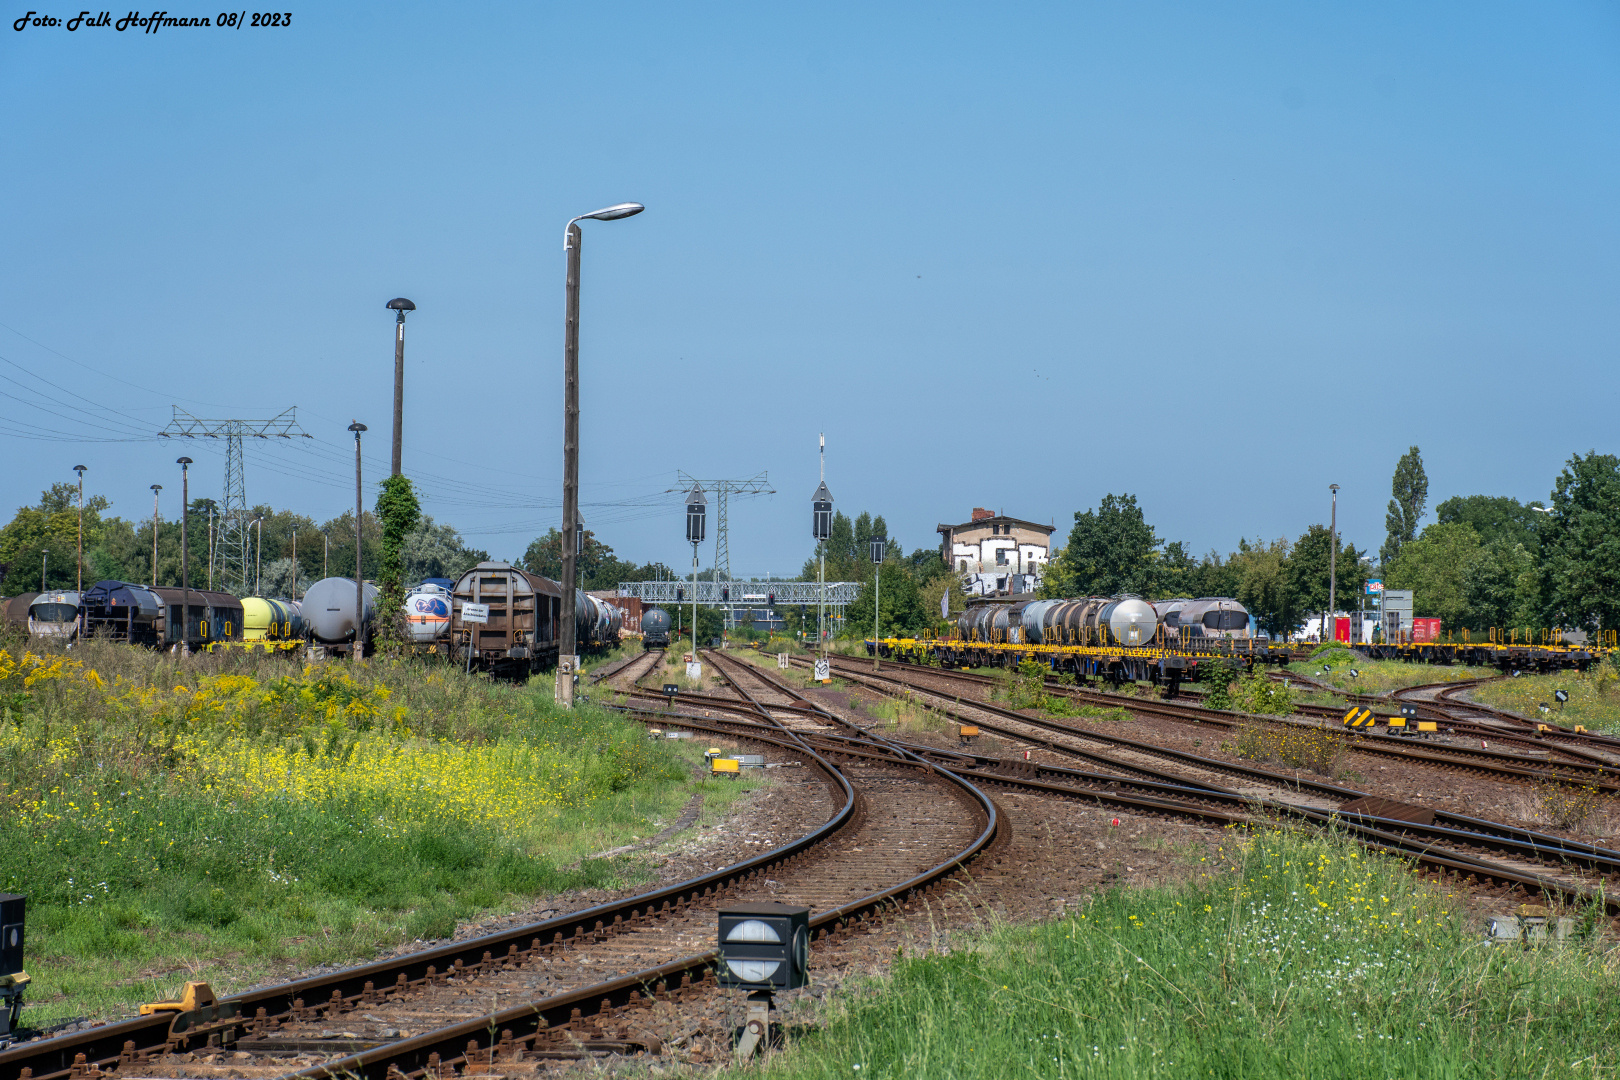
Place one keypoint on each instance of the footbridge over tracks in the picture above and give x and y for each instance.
(735, 597)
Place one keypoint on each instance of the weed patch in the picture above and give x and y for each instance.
(1291, 955)
(228, 814)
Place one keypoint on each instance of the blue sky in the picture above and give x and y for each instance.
(1016, 256)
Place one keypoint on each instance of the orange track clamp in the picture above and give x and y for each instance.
(196, 995)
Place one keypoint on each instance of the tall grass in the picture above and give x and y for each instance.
(229, 814)
(1288, 956)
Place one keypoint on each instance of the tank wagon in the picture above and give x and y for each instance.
(156, 617)
(272, 622)
(427, 615)
(1213, 617)
(655, 627)
(521, 634)
(54, 615)
(14, 609)
(329, 614)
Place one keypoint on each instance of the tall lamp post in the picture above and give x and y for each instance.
(185, 555)
(359, 580)
(566, 661)
(44, 564)
(155, 489)
(80, 470)
(878, 544)
(400, 305)
(1333, 562)
(696, 517)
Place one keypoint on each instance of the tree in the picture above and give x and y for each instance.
(1110, 550)
(1494, 517)
(437, 551)
(1310, 571)
(1436, 567)
(52, 529)
(901, 611)
(399, 512)
(1581, 545)
(340, 531)
(598, 567)
(1411, 490)
(1503, 587)
(1265, 586)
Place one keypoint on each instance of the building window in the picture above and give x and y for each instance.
(961, 566)
(1001, 556)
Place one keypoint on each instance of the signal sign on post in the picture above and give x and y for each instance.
(823, 671)
(478, 613)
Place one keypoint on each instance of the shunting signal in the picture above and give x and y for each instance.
(1358, 717)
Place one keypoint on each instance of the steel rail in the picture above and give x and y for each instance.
(331, 994)
(1468, 759)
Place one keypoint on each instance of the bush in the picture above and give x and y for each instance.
(1319, 749)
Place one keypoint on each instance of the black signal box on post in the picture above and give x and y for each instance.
(764, 946)
(12, 908)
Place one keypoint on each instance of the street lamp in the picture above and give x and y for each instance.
(696, 519)
(185, 555)
(566, 661)
(401, 305)
(155, 489)
(258, 557)
(326, 554)
(80, 470)
(44, 564)
(359, 581)
(1333, 559)
(878, 544)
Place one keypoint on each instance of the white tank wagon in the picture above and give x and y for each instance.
(427, 617)
(329, 613)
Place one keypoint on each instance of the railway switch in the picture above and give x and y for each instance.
(13, 979)
(764, 948)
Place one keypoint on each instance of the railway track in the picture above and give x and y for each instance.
(897, 829)
(1534, 864)
(1497, 765)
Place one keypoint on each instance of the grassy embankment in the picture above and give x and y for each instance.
(239, 817)
(1298, 957)
(1594, 697)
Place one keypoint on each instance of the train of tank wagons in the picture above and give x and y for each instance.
(521, 613)
(1108, 621)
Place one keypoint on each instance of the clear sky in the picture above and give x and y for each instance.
(1014, 256)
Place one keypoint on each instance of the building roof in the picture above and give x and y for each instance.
(998, 519)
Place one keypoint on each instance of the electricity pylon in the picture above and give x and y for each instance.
(232, 544)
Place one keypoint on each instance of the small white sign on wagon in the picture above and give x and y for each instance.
(478, 613)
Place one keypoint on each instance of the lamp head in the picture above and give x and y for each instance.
(80, 469)
(399, 303)
(613, 213)
(182, 462)
(357, 427)
(157, 487)
(1333, 488)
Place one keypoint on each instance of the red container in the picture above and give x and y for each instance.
(1425, 629)
(1341, 629)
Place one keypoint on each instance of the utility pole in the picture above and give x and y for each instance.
(80, 470)
(1333, 559)
(258, 558)
(400, 305)
(44, 564)
(155, 489)
(359, 580)
(295, 563)
(567, 643)
(210, 548)
(185, 556)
